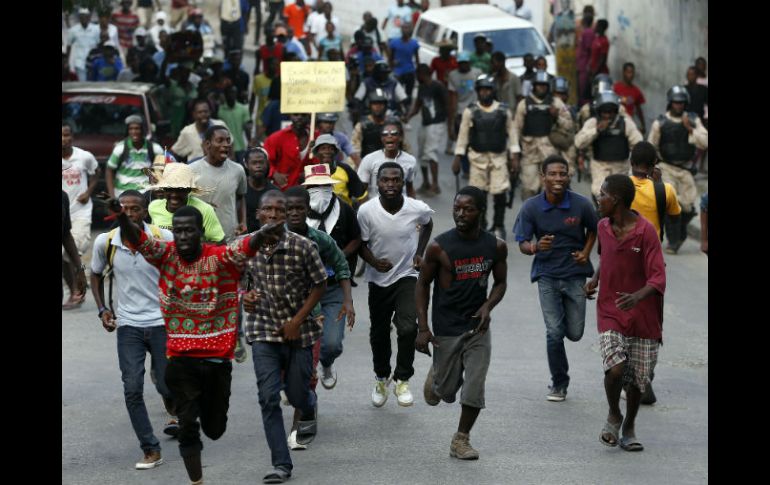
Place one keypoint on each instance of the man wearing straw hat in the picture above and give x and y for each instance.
(199, 303)
(179, 185)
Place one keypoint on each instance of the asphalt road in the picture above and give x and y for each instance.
(522, 438)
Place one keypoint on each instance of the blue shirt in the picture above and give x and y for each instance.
(104, 71)
(403, 55)
(568, 222)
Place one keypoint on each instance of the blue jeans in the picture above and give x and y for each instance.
(297, 365)
(564, 310)
(133, 344)
(333, 330)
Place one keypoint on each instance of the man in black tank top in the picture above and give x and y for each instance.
(460, 260)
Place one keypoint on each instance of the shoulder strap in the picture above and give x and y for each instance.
(108, 273)
(124, 155)
(660, 202)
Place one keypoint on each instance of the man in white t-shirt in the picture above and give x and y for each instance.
(394, 232)
(392, 138)
(79, 173)
(81, 38)
(226, 178)
(520, 10)
(398, 15)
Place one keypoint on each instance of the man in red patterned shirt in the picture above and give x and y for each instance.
(199, 302)
(126, 21)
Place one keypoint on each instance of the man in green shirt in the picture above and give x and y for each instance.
(236, 117)
(481, 58)
(129, 158)
(178, 184)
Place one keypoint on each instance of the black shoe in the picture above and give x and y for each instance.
(648, 397)
(172, 428)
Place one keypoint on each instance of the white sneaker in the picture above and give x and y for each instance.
(328, 377)
(284, 399)
(380, 392)
(403, 393)
(292, 442)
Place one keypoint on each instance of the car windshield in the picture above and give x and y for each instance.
(512, 42)
(103, 114)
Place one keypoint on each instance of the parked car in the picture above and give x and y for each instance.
(511, 35)
(97, 112)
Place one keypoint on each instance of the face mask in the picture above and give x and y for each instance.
(320, 197)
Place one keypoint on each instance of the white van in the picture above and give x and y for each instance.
(513, 36)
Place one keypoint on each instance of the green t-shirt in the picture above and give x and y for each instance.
(129, 175)
(212, 230)
(483, 62)
(235, 118)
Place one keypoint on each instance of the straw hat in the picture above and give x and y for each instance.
(318, 175)
(179, 176)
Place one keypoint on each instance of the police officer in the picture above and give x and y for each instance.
(487, 132)
(366, 137)
(326, 124)
(609, 138)
(536, 115)
(391, 88)
(676, 135)
(564, 138)
(600, 83)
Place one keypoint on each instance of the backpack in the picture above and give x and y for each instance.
(126, 148)
(110, 252)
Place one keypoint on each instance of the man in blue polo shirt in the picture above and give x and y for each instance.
(564, 225)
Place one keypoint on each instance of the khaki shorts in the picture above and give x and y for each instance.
(529, 176)
(489, 171)
(431, 140)
(639, 354)
(462, 362)
(602, 170)
(683, 183)
(81, 233)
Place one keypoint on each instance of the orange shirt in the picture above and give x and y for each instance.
(295, 17)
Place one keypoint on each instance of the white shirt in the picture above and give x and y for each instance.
(82, 41)
(393, 237)
(155, 33)
(523, 12)
(398, 16)
(74, 181)
(137, 303)
(371, 164)
(317, 25)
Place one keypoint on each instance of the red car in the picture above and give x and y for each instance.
(97, 110)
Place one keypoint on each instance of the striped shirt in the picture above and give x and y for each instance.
(129, 175)
(126, 23)
(284, 279)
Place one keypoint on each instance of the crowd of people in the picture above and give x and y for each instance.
(250, 226)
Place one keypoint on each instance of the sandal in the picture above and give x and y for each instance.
(630, 443)
(612, 430)
(76, 299)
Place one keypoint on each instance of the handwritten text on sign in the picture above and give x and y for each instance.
(312, 87)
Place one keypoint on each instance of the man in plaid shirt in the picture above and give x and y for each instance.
(284, 281)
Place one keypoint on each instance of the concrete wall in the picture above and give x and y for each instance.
(661, 37)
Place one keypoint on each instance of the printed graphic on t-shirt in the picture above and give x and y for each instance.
(473, 268)
(572, 221)
(71, 177)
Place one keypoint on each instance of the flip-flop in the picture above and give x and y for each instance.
(613, 430)
(630, 443)
(75, 301)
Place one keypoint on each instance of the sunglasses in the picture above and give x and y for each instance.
(391, 133)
